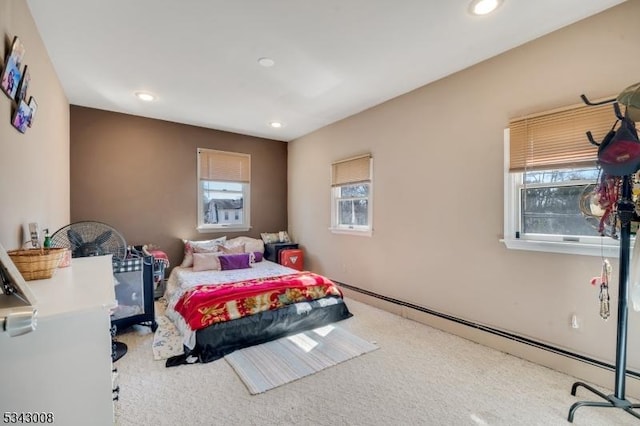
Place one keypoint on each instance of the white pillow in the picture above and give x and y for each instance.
(204, 245)
(250, 244)
(206, 261)
(228, 248)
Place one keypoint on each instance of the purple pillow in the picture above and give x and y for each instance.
(257, 256)
(234, 261)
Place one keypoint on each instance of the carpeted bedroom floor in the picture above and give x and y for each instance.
(418, 376)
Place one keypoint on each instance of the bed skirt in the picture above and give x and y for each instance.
(218, 340)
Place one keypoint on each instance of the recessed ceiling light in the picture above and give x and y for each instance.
(483, 7)
(266, 62)
(145, 96)
(275, 124)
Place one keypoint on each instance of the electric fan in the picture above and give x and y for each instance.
(90, 238)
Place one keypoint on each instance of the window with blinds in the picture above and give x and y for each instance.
(224, 180)
(550, 170)
(351, 190)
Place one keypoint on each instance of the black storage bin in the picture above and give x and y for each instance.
(272, 250)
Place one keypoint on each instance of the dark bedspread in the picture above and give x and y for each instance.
(220, 339)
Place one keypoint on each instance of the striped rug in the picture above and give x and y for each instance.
(272, 364)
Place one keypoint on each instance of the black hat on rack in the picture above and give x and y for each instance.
(619, 153)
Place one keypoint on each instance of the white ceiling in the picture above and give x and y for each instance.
(333, 58)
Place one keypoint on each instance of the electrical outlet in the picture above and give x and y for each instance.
(575, 321)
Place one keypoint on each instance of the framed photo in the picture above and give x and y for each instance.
(24, 85)
(11, 75)
(21, 117)
(34, 107)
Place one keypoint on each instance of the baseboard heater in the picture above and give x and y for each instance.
(491, 330)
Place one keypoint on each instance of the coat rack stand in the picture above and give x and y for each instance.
(626, 212)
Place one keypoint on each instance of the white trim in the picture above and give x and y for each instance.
(610, 249)
(509, 182)
(222, 228)
(357, 157)
(355, 231)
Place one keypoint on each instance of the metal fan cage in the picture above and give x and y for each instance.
(90, 238)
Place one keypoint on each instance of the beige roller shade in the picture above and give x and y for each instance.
(224, 166)
(557, 139)
(352, 170)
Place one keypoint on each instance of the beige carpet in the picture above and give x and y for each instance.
(418, 376)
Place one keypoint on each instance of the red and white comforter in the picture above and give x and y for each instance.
(198, 299)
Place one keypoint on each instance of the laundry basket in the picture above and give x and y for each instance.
(36, 264)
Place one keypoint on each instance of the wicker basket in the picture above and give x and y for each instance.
(36, 264)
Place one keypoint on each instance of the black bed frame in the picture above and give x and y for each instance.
(220, 339)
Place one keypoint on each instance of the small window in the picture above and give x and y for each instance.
(550, 170)
(351, 190)
(224, 180)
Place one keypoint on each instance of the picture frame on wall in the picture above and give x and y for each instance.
(11, 74)
(21, 117)
(24, 85)
(33, 105)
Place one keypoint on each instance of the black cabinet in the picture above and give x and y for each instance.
(272, 250)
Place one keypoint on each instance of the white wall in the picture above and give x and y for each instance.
(438, 152)
(34, 167)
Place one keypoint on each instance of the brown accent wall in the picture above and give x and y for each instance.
(139, 175)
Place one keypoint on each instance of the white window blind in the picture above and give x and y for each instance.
(557, 139)
(352, 170)
(224, 166)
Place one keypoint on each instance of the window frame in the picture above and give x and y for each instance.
(588, 246)
(359, 230)
(246, 194)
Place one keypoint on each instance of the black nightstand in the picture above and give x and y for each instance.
(272, 250)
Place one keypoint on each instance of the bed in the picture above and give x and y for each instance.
(219, 311)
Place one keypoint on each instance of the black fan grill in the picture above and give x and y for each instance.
(90, 238)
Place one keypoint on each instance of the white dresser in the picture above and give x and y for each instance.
(63, 368)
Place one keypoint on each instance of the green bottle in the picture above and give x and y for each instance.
(47, 239)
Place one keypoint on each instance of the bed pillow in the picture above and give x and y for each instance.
(250, 244)
(228, 248)
(283, 236)
(270, 237)
(234, 261)
(206, 249)
(204, 245)
(206, 261)
(275, 237)
(256, 256)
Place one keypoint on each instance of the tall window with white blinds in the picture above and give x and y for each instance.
(224, 183)
(351, 195)
(550, 169)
